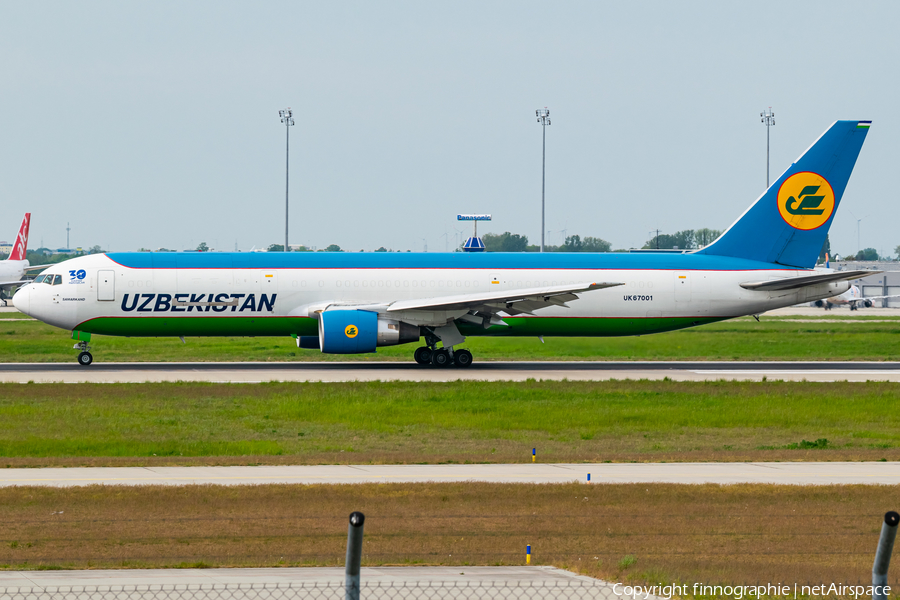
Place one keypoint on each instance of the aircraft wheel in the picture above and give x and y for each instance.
(462, 358)
(85, 358)
(441, 358)
(423, 355)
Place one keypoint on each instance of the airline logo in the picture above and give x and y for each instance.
(21, 245)
(351, 331)
(805, 200)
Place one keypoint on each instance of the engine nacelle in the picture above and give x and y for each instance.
(356, 332)
(348, 331)
(391, 333)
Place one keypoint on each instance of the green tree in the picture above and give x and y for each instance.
(202, 247)
(332, 248)
(897, 252)
(705, 237)
(572, 244)
(275, 248)
(867, 254)
(683, 240)
(595, 244)
(505, 242)
(826, 249)
(382, 249)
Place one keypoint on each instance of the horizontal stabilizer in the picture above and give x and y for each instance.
(793, 283)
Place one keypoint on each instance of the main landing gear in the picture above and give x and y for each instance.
(443, 357)
(430, 354)
(84, 357)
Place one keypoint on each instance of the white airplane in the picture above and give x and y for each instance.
(12, 270)
(852, 297)
(350, 303)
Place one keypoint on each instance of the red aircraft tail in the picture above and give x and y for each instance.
(20, 246)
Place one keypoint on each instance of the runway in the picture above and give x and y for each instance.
(254, 372)
(796, 473)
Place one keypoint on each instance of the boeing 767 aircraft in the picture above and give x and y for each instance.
(352, 303)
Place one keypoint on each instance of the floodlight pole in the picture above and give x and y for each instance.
(288, 120)
(767, 117)
(543, 117)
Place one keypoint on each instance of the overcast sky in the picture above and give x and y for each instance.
(155, 124)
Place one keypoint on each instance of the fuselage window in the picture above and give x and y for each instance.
(338, 283)
(346, 283)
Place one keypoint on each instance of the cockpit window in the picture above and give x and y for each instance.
(48, 279)
(57, 280)
(39, 279)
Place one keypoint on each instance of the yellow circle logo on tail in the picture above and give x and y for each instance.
(351, 331)
(805, 200)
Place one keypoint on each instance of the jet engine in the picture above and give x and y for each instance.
(357, 332)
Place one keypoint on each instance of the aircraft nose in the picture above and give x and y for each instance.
(22, 300)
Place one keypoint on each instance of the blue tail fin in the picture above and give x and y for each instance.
(788, 224)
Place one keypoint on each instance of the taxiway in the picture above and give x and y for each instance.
(797, 473)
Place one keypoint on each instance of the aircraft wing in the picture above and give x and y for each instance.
(32, 267)
(793, 283)
(877, 297)
(525, 300)
(12, 283)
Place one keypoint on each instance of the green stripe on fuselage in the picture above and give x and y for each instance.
(287, 326)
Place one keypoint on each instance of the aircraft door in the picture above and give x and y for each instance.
(106, 285)
(682, 287)
(269, 283)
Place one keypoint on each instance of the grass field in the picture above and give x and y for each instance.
(198, 423)
(827, 338)
(739, 534)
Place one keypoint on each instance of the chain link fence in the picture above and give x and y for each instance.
(430, 590)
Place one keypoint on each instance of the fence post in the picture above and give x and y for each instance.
(354, 555)
(883, 555)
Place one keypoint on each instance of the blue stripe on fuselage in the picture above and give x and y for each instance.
(436, 260)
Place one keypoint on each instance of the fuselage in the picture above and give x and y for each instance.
(279, 294)
(12, 270)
